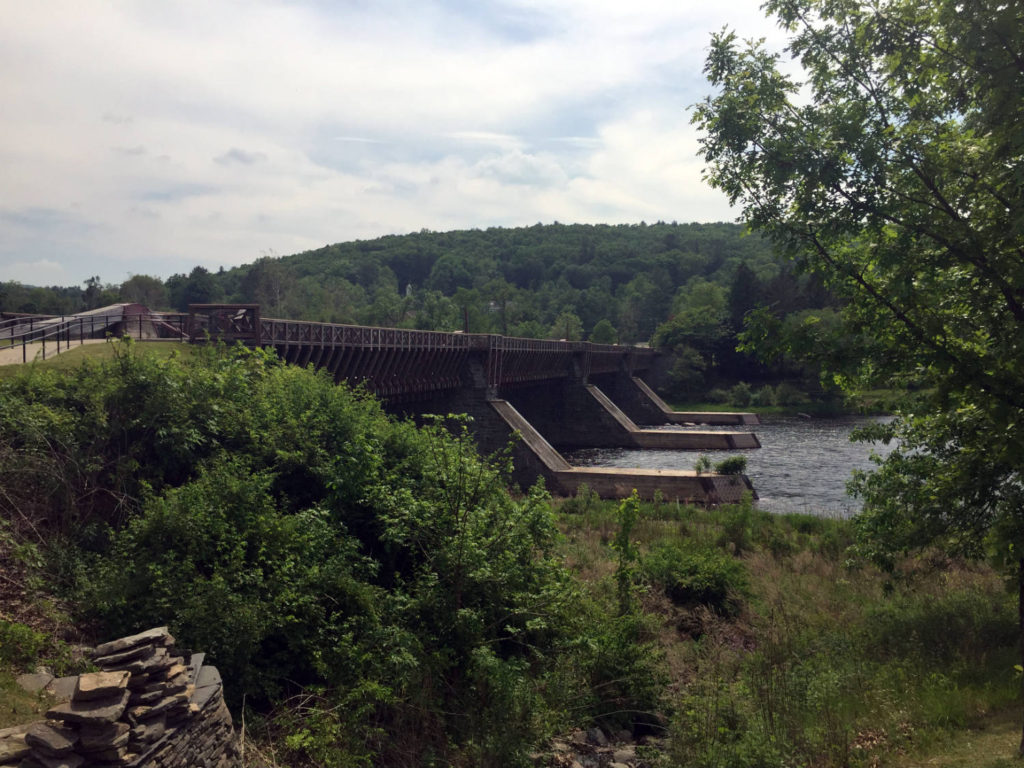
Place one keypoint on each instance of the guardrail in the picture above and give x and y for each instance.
(63, 332)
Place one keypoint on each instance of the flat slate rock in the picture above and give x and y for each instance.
(109, 755)
(35, 682)
(155, 636)
(158, 662)
(15, 730)
(150, 731)
(63, 688)
(13, 748)
(208, 676)
(203, 696)
(98, 711)
(103, 736)
(195, 663)
(51, 740)
(116, 659)
(100, 685)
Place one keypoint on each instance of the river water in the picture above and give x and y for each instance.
(801, 466)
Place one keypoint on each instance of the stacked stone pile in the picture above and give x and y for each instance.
(146, 707)
(12, 745)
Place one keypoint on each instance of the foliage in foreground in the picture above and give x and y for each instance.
(379, 598)
(784, 652)
(368, 587)
(893, 173)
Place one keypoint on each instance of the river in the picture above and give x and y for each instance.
(801, 466)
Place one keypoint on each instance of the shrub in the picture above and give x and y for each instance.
(718, 395)
(738, 526)
(958, 625)
(734, 465)
(583, 502)
(623, 667)
(704, 576)
(739, 394)
(787, 394)
(305, 540)
(763, 396)
(20, 645)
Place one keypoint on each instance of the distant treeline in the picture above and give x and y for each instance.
(686, 287)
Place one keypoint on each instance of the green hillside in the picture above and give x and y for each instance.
(686, 287)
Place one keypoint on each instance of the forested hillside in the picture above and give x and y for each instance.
(686, 287)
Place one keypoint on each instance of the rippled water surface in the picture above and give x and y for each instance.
(802, 465)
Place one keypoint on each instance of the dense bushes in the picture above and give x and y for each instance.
(378, 598)
(698, 575)
(310, 544)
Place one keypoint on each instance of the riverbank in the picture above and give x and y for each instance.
(879, 402)
(781, 648)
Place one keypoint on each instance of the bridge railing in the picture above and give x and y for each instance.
(296, 332)
(394, 361)
(63, 332)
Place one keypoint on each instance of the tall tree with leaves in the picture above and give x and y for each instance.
(896, 172)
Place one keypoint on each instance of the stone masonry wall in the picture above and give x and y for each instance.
(147, 707)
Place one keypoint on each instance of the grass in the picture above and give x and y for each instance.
(991, 745)
(827, 661)
(75, 356)
(18, 706)
(874, 402)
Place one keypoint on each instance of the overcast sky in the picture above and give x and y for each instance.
(147, 137)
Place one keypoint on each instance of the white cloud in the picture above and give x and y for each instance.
(41, 272)
(161, 136)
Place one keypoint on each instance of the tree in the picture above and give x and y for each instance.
(567, 326)
(146, 290)
(268, 283)
(896, 176)
(200, 287)
(744, 295)
(604, 333)
(96, 294)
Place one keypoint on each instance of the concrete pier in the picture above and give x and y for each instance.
(572, 414)
(666, 439)
(694, 417)
(615, 483)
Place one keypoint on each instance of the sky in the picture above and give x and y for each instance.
(148, 137)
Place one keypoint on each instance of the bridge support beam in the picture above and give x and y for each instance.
(496, 423)
(576, 415)
(642, 404)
